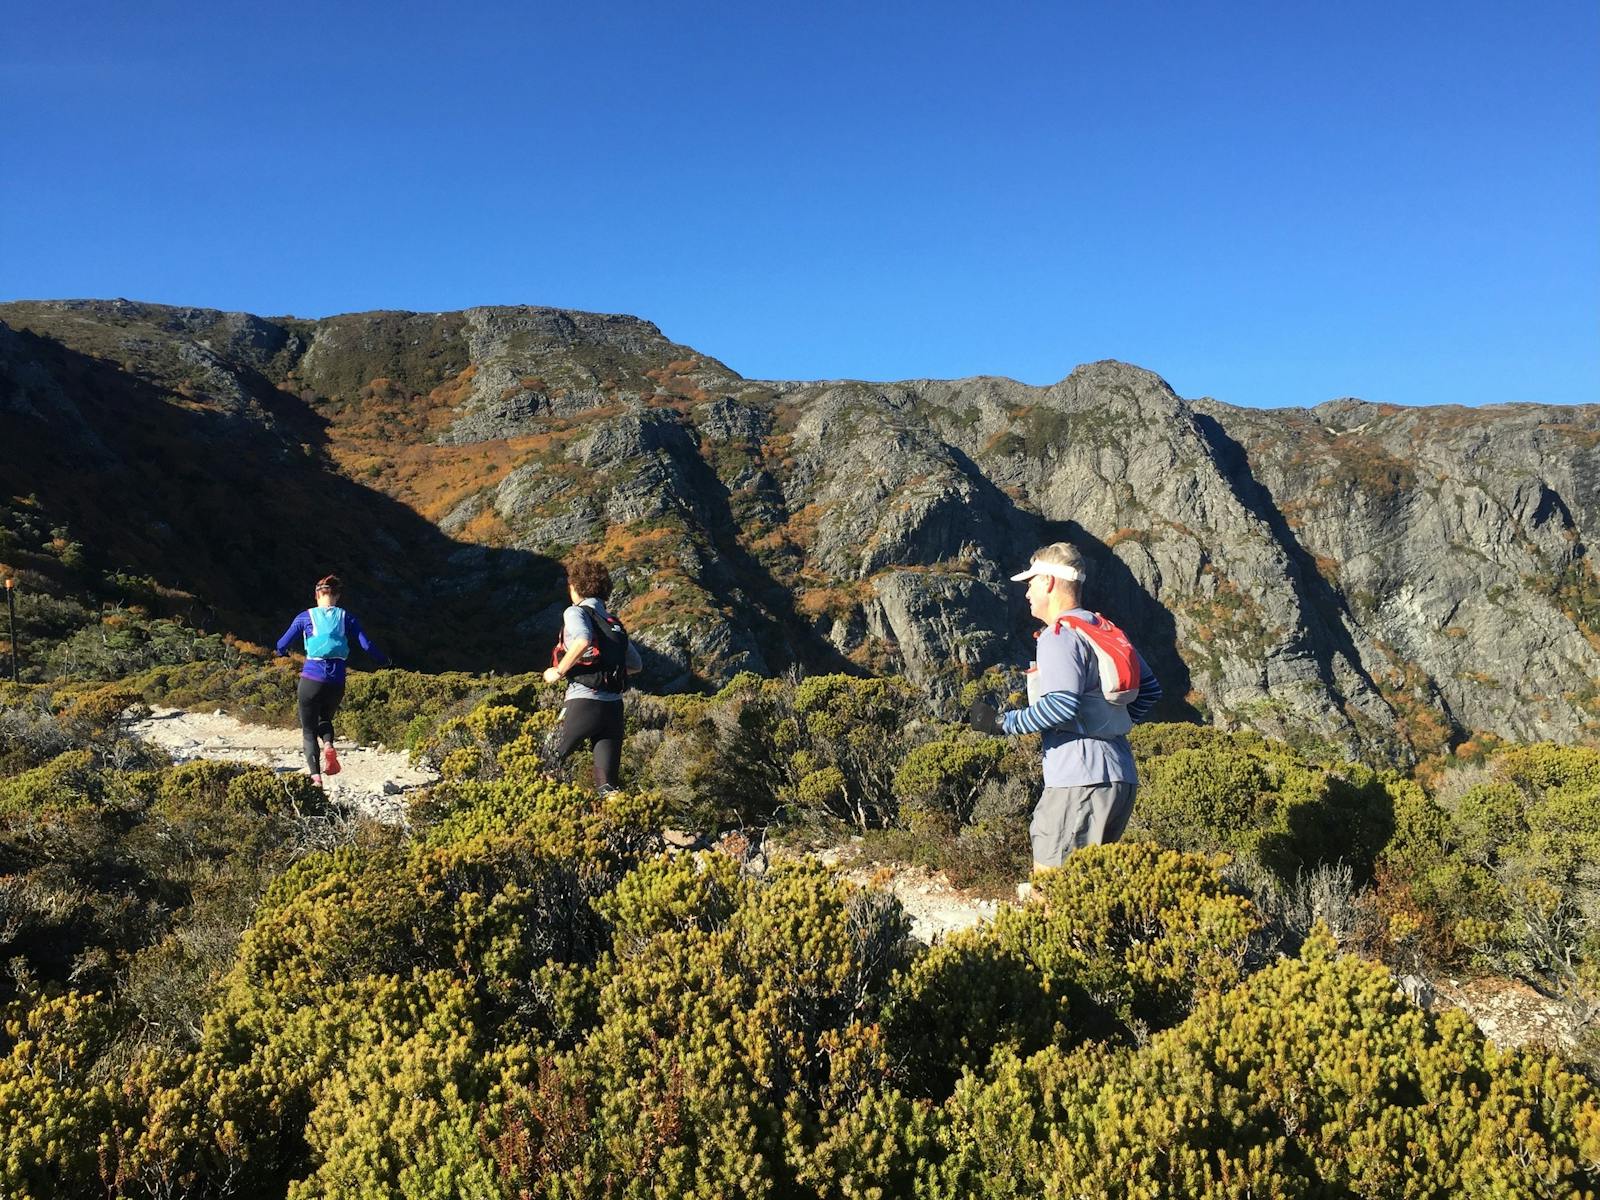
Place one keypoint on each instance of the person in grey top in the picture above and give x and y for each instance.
(595, 657)
(1089, 777)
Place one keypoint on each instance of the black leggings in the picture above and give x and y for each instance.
(599, 722)
(318, 700)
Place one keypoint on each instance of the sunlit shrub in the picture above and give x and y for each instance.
(1315, 1077)
(401, 708)
(1246, 797)
(66, 782)
(1145, 932)
(853, 734)
(52, 1109)
(403, 1115)
(720, 1044)
(684, 892)
(1509, 867)
(943, 779)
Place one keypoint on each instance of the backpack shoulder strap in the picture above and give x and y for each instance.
(589, 619)
(1119, 661)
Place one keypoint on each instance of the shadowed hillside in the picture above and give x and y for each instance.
(238, 506)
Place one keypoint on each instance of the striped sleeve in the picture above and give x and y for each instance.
(1051, 711)
(1149, 693)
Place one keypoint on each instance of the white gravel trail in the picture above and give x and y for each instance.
(374, 780)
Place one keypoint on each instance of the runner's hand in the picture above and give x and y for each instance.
(983, 717)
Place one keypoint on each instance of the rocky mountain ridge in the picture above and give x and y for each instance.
(1386, 579)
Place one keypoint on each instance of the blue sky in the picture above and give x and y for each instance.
(1270, 204)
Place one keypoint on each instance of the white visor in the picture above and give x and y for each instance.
(1070, 574)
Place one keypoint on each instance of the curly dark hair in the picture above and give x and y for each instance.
(589, 577)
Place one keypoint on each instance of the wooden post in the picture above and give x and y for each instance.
(11, 607)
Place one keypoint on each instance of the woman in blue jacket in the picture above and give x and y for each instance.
(328, 631)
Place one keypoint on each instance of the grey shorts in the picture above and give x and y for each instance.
(1070, 818)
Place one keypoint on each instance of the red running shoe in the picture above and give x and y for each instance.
(330, 760)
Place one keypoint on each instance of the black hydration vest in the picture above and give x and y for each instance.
(603, 665)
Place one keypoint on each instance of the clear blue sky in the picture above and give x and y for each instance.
(1267, 203)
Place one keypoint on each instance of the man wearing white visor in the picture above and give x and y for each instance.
(1086, 691)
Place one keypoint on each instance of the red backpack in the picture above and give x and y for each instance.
(1119, 661)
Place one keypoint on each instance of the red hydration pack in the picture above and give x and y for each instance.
(1119, 661)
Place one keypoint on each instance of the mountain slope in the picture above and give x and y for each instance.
(1384, 578)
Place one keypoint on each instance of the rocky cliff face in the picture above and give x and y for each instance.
(1387, 579)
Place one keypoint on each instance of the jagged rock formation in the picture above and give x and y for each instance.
(1380, 577)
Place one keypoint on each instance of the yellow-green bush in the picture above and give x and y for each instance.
(1223, 792)
(266, 792)
(520, 998)
(876, 1150)
(192, 789)
(942, 779)
(959, 1002)
(102, 864)
(1508, 865)
(683, 892)
(238, 1109)
(717, 759)
(66, 782)
(251, 690)
(403, 1116)
(336, 1048)
(1158, 738)
(1313, 1078)
(1547, 767)
(853, 734)
(493, 888)
(1143, 932)
(402, 708)
(723, 1052)
(53, 1111)
(468, 747)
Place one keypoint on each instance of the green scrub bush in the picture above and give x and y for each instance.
(717, 759)
(1313, 1078)
(1509, 864)
(852, 734)
(1228, 793)
(1143, 932)
(940, 781)
(53, 1108)
(68, 781)
(964, 999)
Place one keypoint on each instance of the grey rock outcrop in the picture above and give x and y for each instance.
(1376, 577)
(939, 624)
(532, 362)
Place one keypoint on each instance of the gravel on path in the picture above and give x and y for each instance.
(374, 780)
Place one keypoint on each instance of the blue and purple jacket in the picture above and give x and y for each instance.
(329, 670)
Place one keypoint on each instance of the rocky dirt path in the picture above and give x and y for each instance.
(374, 780)
(934, 906)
